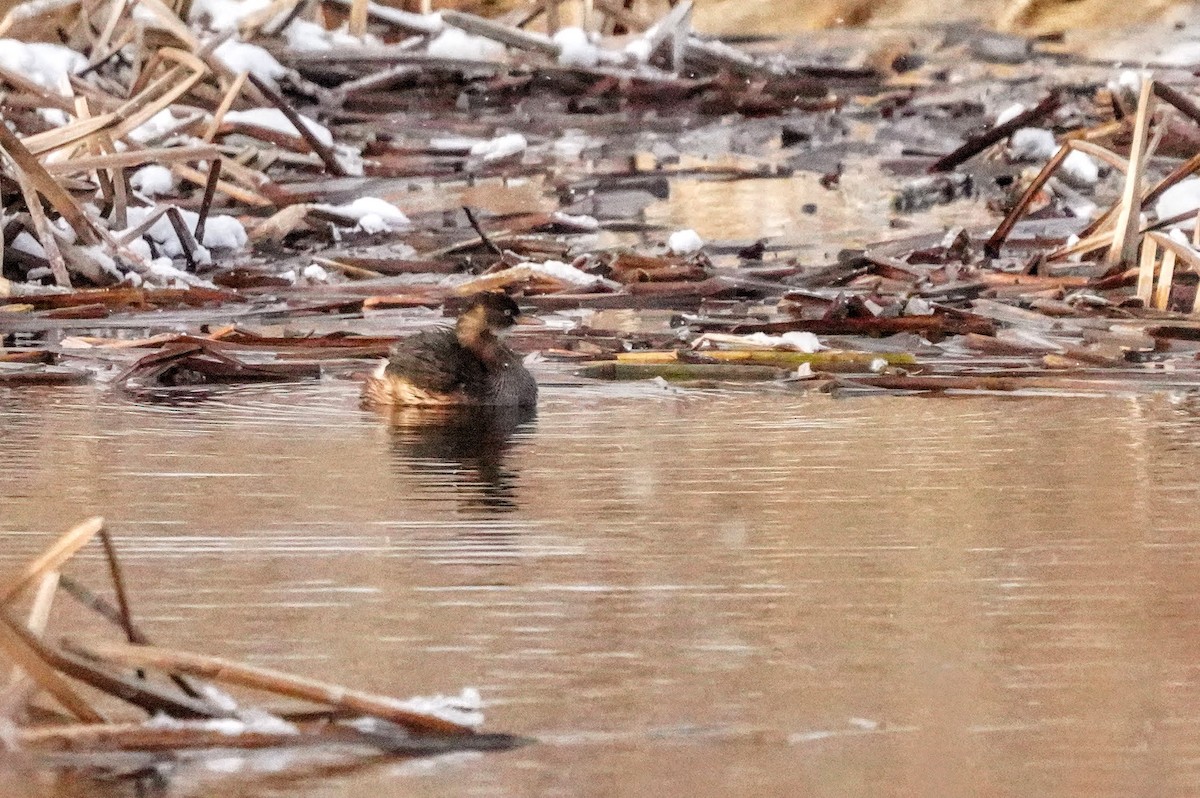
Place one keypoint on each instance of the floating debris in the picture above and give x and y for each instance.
(177, 692)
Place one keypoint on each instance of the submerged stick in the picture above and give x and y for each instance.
(195, 735)
(230, 672)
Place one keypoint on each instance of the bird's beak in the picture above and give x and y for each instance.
(529, 321)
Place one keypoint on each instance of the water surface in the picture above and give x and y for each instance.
(678, 594)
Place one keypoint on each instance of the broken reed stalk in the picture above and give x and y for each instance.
(230, 672)
(358, 18)
(1166, 273)
(20, 687)
(132, 690)
(186, 240)
(1124, 243)
(235, 88)
(323, 151)
(131, 158)
(52, 558)
(39, 179)
(1145, 283)
(1173, 251)
(224, 186)
(497, 32)
(41, 226)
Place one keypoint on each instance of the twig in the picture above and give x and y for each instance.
(1180, 101)
(992, 248)
(978, 143)
(186, 240)
(323, 151)
(210, 188)
(118, 580)
(491, 245)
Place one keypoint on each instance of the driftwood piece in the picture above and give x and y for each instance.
(506, 35)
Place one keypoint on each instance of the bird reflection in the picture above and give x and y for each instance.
(462, 449)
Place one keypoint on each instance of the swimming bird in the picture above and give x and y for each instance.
(466, 365)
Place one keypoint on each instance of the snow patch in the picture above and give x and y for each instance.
(26, 243)
(54, 116)
(304, 35)
(153, 180)
(1032, 143)
(220, 231)
(1010, 113)
(1183, 197)
(576, 49)
(499, 147)
(1080, 168)
(465, 709)
(566, 272)
(274, 119)
(582, 222)
(685, 242)
(244, 57)
(462, 46)
(45, 64)
(373, 214)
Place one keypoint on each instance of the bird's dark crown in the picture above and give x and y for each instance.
(495, 310)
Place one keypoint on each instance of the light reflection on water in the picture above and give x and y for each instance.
(690, 594)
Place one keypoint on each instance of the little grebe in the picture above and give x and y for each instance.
(468, 365)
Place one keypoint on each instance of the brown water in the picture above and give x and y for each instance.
(677, 594)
